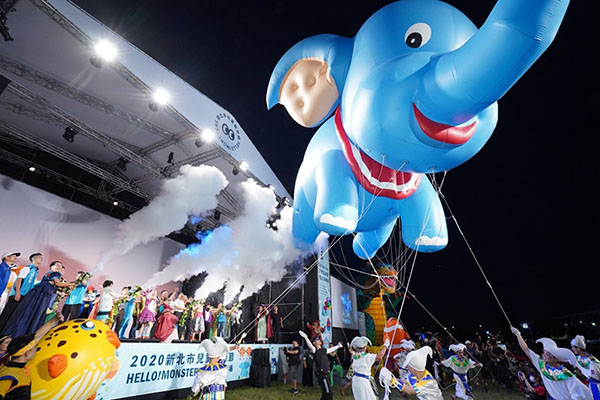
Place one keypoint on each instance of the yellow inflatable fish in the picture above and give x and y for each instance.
(73, 360)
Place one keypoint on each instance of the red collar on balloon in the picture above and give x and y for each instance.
(376, 178)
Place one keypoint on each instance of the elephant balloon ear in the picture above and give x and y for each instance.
(309, 77)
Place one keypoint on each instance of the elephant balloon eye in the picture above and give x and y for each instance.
(417, 35)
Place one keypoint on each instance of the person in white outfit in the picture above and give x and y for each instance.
(362, 362)
(211, 380)
(560, 383)
(460, 364)
(587, 364)
(418, 382)
(406, 346)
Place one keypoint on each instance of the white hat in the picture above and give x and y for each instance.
(360, 341)
(418, 359)
(558, 352)
(407, 344)
(10, 253)
(215, 349)
(457, 347)
(579, 342)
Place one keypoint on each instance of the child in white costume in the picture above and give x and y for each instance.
(418, 381)
(560, 383)
(211, 380)
(460, 364)
(587, 364)
(406, 346)
(362, 362)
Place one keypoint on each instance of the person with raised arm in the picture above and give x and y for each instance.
(321, 363)
(362, 362)
(560, 383)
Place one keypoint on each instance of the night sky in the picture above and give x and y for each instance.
(525, 202)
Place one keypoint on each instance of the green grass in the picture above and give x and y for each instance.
(279, 391)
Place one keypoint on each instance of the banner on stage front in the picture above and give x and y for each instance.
(160, 367)
(324, 296)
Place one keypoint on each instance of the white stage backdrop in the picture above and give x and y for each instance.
(343, 305)
(32, 220)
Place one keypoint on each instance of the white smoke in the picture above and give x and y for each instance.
(244, 253)
(193, 192)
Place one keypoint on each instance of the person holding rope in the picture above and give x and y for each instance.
(587, 364)
(321, 363)
(362, 362)
(460, 364)
(560, 383)
(418, 382)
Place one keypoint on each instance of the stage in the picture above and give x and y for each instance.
(150, 368)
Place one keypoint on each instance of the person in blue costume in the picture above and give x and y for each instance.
(127, 318)
(30, 314)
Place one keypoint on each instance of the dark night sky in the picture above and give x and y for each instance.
(524, 202)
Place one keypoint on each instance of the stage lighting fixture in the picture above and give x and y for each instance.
(122, 164)
(243, 166)
(217, 215)
(235, 171)
(32, 169)
(69, 134)
(160, 98)
(106, 50)
(198, 143)
(207, 135)
(115, 203)
(170, 159)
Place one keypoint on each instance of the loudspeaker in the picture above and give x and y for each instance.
(4, 81)
(260, 368)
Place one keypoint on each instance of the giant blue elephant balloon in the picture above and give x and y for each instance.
(414, 92)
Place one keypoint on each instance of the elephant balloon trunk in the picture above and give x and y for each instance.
(480, 72)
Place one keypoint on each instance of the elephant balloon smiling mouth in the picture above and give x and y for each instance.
(414, 92)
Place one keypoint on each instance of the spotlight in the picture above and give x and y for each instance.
(69, 134)
(243, 166)
(525, 326)
(170, 159)
(32, 169)
(105, 52)
(198, 143)
(115, 203)
(235, 171)
(207, 135)
(122, 164)
(160, 98)
(217, 215)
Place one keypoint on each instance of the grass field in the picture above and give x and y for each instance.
(280, 391)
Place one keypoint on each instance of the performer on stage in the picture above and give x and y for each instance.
(321, 363)
(460, 364)
(560, 383)
(418, 381)
(587, 364)
(210, 382)
(362, 362)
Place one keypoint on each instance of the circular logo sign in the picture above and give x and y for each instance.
(228, 131)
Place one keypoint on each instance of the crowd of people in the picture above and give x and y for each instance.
(434, 364)
(31, 297)
(30, 304)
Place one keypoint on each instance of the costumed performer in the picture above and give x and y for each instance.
(362, 362)
(418, 381)
(321, 362)
(406, 346)
(460, 364)
(166, 327)
(587, 364)
(560, 383)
